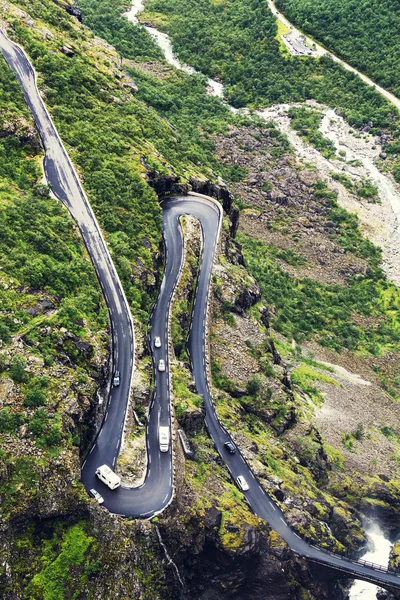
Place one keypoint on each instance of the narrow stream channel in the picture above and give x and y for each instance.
(378, 545)
(163, 41)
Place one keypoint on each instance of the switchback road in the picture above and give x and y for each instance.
(157, 490)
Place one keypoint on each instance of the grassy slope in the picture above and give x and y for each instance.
(110, 134)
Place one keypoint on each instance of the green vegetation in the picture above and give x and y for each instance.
(110, 135)
(35, 397)
(349, 438)
(316, 363)
(306, 121)
(182, 100)
(253, 386)
(54, 560)
(306, 377)
(105, 18)
(235, 519)
(18, 366)
(288, 256)
(9, 421)
(349, 236)
(60, 558)
(185, 292)
(177, 97)
(236, 40)
(368, 191)
(344, 180)
(185, 398)
(305, 307)
(365, 33)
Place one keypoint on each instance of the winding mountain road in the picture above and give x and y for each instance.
(157, 490)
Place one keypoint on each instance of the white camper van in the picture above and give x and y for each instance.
(163, 437)
(107, 476)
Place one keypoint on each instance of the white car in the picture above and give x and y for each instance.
(161, 365)
(242, 483)
(95, 494)
(157, 342)
(116, 379)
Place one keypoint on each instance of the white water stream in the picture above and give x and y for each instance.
(378, 552)
(168, 557)
(380, 223)
(378, 545)
(162, 40)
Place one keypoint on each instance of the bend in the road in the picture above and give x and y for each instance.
(157, 490)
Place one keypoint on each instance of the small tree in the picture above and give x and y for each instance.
(38, 424)
(18, 372)
(41, 190)
(253, 385)
(9, 421)
(359, 432)
(53, 436)
(35, 397)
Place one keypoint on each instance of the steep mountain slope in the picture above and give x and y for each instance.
(132, 139)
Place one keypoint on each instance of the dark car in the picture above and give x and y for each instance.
(230, 446)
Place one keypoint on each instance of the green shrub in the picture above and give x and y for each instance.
(61, 558)
(17, 371)
(93, 568)
(306, 121)
(38, 423)
(53, 436)
(253, 386)
(9, 421)
(35, 397)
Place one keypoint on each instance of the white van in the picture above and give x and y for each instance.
(107, 476)
(163, 438)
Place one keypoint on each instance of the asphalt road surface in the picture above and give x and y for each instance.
(157, 490)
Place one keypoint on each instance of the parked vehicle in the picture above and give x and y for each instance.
(107, 476)
(161, 365)
(157, 342)
(116, 379)
(242, 483)
(95, 494)
(163, 438)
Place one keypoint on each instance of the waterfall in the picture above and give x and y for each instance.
(169, 559)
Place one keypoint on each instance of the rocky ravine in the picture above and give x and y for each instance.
(360, 153)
